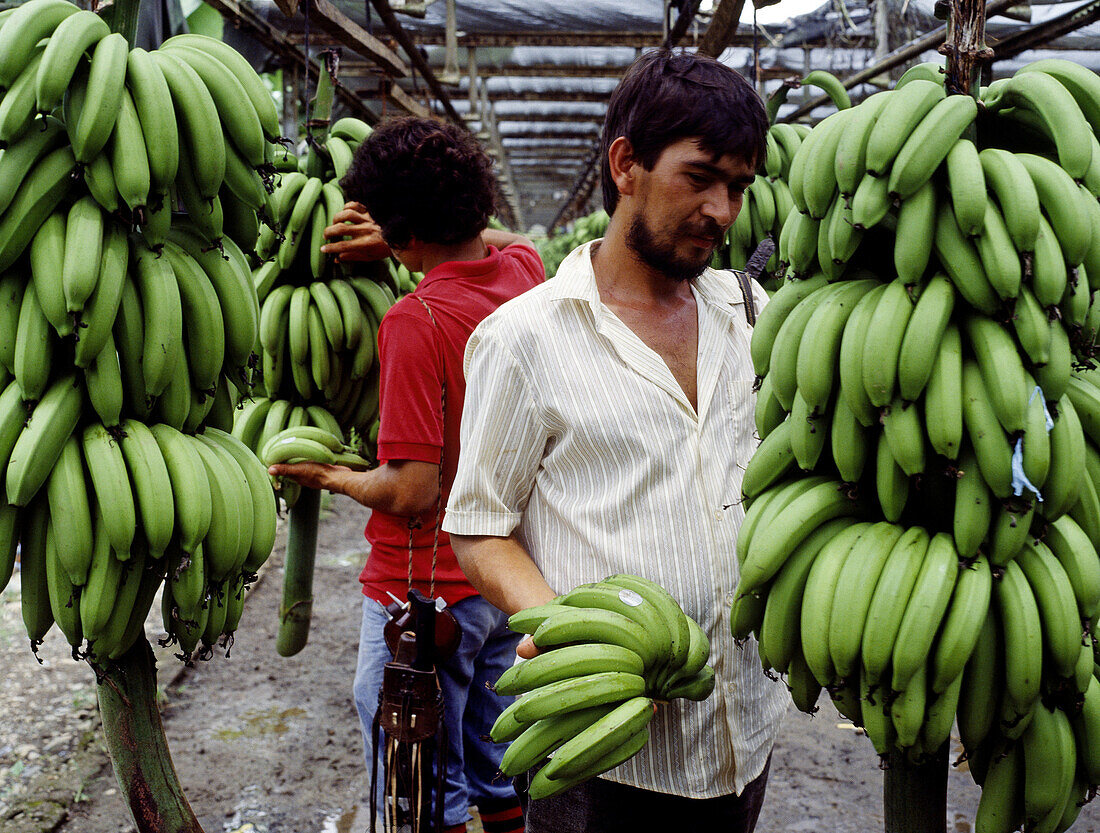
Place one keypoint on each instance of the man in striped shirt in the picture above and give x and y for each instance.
(608, 418)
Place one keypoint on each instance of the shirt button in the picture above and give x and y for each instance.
(731, 597)
(729, 686)
(717, 515)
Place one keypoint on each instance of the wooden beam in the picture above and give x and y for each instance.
(397, 30)
(1042, 33)
(346, 32)
(550, 95)
(551, 152)
(636, 40)
(504, 40)
(540, 134)
(587, 119)
(547, 140)
(551, 70)
(723, 26)
(371, 85)
(528, 165)
(352, 67)
(244, 17)
(931, 40)
(529, 116)
(406, 102)
(680, 27)
(529, 37)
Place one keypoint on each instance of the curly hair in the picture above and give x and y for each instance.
(423, 179)
(666, 96)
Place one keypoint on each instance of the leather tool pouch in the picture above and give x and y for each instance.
(410, 704)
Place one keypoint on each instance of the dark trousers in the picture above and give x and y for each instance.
(600, 806)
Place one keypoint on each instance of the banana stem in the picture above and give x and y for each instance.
(124, 19)
(914, 797)
(301, 547)
(965, 48)
(127, 692)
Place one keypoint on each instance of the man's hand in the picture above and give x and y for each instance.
(526, 648)
(311, 475)
(402, 487)
(365, 243)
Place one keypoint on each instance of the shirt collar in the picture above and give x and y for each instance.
(464, 268)
(575, 279)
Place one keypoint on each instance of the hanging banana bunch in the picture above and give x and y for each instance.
(922, 529)
(127, 324)
(318, 325)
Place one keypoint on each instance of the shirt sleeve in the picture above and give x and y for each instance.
(503, 438)
(410, 389)
(527, 259)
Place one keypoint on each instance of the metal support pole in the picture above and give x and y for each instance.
(471, 69)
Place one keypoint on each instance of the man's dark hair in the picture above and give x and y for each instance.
(423, 179)
(666, 96)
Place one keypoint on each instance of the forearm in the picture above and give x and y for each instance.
(500, 239)
(502, 571)
(396, 488)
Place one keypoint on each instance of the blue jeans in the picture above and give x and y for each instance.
(487, 649)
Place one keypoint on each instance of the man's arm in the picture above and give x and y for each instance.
(500, 239)
(505, 575)
(401, 487)
(502, 571)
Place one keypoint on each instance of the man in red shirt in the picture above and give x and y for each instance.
(423, 191)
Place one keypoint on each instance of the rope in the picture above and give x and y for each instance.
(305, 91)
(755, 49)
(439, 498)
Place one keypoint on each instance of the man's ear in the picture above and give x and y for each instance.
(624, 165)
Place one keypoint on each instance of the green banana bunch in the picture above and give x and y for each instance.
(128, 330)
(308, 443)
(969, 588)
(608, 651)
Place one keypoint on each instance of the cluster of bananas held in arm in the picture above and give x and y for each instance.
(608, 651)
(128, 319)
(922, 529)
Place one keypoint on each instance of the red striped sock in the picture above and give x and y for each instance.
(455, 828)
(507, 820)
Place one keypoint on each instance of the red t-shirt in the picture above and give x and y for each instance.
(414, 357)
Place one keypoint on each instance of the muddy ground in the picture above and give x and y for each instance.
(267, 744)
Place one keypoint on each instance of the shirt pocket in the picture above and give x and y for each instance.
(742, 410)
(740, 423)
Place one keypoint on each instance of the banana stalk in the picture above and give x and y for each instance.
(127, 692)
(914, 796)
(124, 19)
(296, 609)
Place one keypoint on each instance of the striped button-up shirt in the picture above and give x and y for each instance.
(577, 437)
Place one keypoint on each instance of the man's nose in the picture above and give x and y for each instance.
(719, 207)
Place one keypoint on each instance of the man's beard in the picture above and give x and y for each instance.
(661, 254)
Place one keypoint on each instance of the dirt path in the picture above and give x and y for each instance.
(267, 744)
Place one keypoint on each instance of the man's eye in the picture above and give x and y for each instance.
(697, 178)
